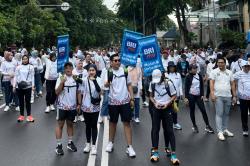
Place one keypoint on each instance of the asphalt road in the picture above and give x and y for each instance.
(33, 144)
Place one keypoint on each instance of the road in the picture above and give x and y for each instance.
(33, 144)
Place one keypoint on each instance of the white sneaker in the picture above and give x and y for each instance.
(238, 102)
(47, 109)
(248, 113)
(6, 109)
(145, 104)
(93, 150)
(130, 151)
(87, 148)
(109, 147)
(245, 133)
(221, 136)
(1, 95)
(52, 107)
(137, 120)
(17, 109)
(40, 93)
(100, 120)
(76, 118)
(228, 133)
(81, 118)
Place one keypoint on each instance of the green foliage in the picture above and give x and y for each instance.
(235, 39)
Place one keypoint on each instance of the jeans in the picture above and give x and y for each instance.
(136, 112)
(9, 95)
(24, 95)
(104, 110)
(244, 107)
(38, 82)
(222, 106)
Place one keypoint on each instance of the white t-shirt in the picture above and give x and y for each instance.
(8, 68)
(195, 87)
(176, 79)
(103, 62)
(87, 106)
(165, 63)
(67, 98)
(119, 94)
(236, 66)
(160, 95)
(84, 73)
(222, 85)
(243, 84)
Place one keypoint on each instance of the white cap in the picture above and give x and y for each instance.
(244, 63)
(156, 76)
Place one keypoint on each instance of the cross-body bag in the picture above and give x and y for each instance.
(94, 101)
(24, 84)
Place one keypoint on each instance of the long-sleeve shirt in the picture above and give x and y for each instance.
(7, 69)
(51, 69)
(24, 73)
(37, 63)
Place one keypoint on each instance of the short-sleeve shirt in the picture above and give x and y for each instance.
(243, 84)
(222, 84)
(160, 94)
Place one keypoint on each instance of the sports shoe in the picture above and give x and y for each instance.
(81, 118)
(248, 113)
(154, 155)
(6, 109)
(1, 94)
(145, 104)
(20, 118)
(130, 151)
(221, 136)
(59, 150)
(17, 109)
(32, 99)
(47, 110)
(110, 147)
(30, 119)
(238, 102)
(100, 120)
(209, 129)
(40, 93)
(228, 133)
(195, 129)
(177, 126)
(245, 133)
(76, 119)
(71, 146)
(52, 107)
(87, 148)
(137, 120)
(168, 152)
(174, 159)
(93, 150)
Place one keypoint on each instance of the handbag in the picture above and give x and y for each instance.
(24, 84)
(175, 107)
(135, 89)
(94, 101)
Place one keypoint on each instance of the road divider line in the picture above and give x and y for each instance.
(3, 105)
(105, 155)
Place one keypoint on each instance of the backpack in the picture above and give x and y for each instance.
(166, 87)
(111, 74)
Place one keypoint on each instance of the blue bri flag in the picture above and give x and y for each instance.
(63, 52)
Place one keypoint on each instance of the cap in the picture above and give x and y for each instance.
(244, 63)
(156, 76)
(171, 64)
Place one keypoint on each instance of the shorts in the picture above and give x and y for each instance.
(123, 110)
(68, 115)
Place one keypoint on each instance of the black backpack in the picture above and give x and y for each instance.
(111, 74)
(166, 87)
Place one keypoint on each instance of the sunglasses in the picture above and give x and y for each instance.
(117, 60)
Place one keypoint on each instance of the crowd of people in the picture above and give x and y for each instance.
(95, 85)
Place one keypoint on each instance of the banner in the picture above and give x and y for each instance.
(63, 52)
(150, 54)
(130, 48)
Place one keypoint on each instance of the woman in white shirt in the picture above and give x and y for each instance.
(177, 81)
(51, 76)
(23, 85)
(89, 102)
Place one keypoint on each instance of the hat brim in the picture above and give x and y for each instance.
(156, 80)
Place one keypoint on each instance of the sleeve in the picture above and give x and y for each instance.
(236, 76)
(3, 69)
(172, 88)
(32, 75)
(212, 75)
(231, 76)
(104, 77)
(58, 81)
(15, 77)
(100, 82)
(150, 87)
(180, 87)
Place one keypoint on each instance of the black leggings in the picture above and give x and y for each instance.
(167, 124)
(24, 94)
(51, 94)
(244, 107)
(91, 126)
(197, 99)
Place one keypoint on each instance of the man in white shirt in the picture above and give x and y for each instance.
(121, 101)
(221, 86)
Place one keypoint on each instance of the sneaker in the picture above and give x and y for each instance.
(30, 119)
(100, 120)
(238, 102)
(59, 150)
(137, 120)
(6, 109)
(245, 133)
(52, 107)
(195, 129)
(1, 95)
(36, 96)
(40, 93)
(17, 109)
(228, 133)
(75, 120)
(154, 155)
(177, 126)
(71, 146)
(221, 136)
(174, 159)
(206, 99)
(87, 148)
(47, 109)
(168, 152)
(209, 129)
(32, 100)
(20, 118)
(130, 151)
(110, 147)
(93, 150)
(145, 104)
(248, 113)
(81, 118)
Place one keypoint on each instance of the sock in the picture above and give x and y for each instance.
(59, 141)
(70, 139)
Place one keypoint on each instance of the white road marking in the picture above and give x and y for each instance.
(105, 155)
(3, 105)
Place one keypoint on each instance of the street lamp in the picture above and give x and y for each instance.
(64, 6)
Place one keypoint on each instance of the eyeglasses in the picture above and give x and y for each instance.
(117, 60)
